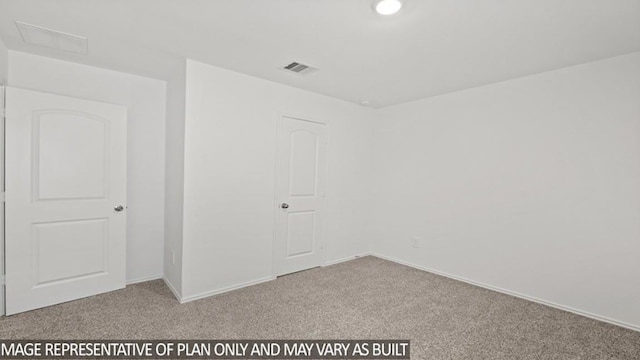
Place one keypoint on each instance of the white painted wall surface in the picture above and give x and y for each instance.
(4, 63)
(145, 99)
(229, 175)
(530, 185)
(174, 179)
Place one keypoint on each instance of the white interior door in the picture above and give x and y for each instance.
(65, 183)
(301, 178)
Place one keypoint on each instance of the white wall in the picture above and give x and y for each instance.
(4, 63)
(229, 175)
(174, 179)
(145, 99)
(530, 185)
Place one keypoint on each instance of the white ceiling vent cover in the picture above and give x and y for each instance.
(58, 40)
(299, 68)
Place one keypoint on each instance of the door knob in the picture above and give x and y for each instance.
(284, 205)
(118, 208)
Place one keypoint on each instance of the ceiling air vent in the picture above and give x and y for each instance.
(299, 68)
(41, 36)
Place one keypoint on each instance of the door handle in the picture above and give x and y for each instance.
(284, 205)
(118, 208)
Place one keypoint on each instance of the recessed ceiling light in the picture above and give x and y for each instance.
(387, 7)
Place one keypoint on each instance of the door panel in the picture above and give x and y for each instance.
(65, 174)
(300, 233)
(304, 163)
(69, 167)
(85, 249)
(301, 186)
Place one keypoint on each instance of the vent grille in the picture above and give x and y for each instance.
(54, 39)
(298, 68)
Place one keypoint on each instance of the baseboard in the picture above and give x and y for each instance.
(173, 289)
(248, 283)
(144, 279)
(348, 258)
(513, 293)
(224, 290)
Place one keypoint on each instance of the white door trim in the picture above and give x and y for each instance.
(3, 97)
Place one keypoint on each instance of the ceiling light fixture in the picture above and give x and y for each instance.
(387, 7)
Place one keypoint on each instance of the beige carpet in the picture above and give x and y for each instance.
(367, 298)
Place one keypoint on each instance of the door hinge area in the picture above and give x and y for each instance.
(3, 280)
(2, 196)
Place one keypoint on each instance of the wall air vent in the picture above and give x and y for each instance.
(299, 68)
(37, 35)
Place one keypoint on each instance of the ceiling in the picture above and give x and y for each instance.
(429, 48)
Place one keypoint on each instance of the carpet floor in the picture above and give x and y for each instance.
(367, 298)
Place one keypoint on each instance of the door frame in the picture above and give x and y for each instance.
(3, 105)
(276, 201)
